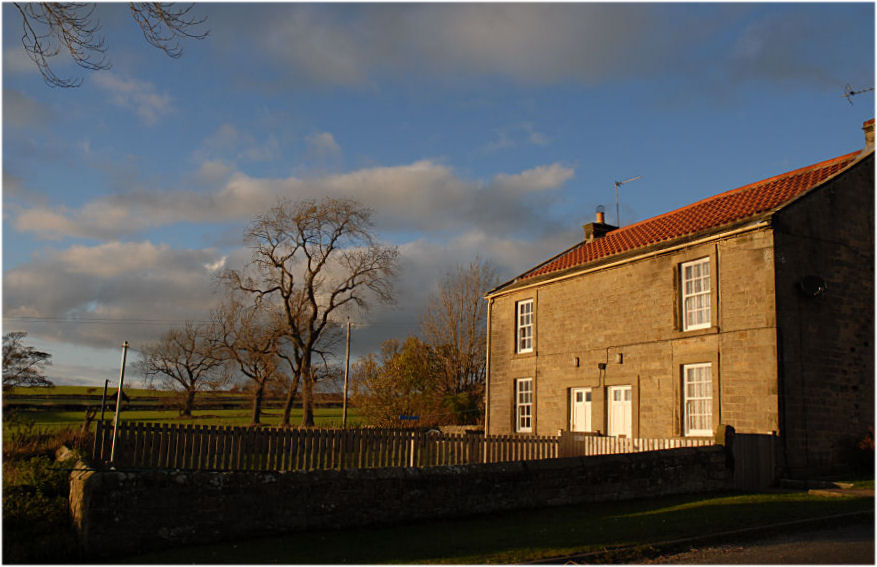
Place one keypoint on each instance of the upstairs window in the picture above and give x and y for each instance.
(524, 405)
(698, 392)
(695, 279)
(525, 326)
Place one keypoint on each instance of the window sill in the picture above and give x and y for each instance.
(530, 354)
(714, 330)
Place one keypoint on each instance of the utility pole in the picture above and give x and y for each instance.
(118, 401)
(617, 209)
(346, 372)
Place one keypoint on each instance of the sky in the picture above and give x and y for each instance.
(473, 131)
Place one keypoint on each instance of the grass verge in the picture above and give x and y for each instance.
(516, 537)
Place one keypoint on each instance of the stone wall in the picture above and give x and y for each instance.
(827, 340)
(124, 513)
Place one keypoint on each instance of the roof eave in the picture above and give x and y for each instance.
(756, 221)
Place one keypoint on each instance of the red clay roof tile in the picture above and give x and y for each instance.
(712, 212)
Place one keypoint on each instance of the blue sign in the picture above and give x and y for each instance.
(409, 417)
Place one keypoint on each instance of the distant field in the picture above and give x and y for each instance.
(64, 406)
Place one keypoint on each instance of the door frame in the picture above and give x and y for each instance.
(589, 420)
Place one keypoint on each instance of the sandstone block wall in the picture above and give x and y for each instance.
(633, 310)
(120, 514)
(827, 341)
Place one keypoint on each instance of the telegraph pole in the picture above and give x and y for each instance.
(118, 401)
(346, 372)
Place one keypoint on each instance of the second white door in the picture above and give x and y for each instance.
(619, 411)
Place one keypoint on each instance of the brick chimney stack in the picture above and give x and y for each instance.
(595, 230)
(868, 127)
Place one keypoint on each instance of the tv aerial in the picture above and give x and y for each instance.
(617, 185)
(849, 92)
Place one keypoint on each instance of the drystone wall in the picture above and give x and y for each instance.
(123, 513)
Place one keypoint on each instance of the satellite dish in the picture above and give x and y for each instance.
(812, 286)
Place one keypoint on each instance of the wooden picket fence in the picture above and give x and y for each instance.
(199, 447)
(585, 445)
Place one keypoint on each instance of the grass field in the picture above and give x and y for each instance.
(520, 536)
(56, 408)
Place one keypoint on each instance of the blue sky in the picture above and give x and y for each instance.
(488, 130)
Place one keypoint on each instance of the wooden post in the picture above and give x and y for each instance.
(118, 401)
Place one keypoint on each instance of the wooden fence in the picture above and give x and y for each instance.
(197, 447)
(584, 445)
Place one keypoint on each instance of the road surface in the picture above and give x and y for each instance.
(850, 544)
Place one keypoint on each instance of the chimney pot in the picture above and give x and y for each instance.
(601, 217)
(868, 127)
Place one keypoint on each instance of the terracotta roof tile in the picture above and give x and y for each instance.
(712, 212)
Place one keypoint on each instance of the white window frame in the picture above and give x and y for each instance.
(697, 400)
(696, 289)
(524, 405)
(524, 326)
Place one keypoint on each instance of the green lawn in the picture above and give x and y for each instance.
(323, 417)
(515, 537)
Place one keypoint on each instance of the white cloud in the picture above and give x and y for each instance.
(136, 95)
(513, 136)
(322, 144)
(133, 290)
(424, 196)
(536, 179)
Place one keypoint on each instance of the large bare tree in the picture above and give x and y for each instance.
(186, 360)
(248, 337)
(316, 260)
(52, 28)
(454, 326)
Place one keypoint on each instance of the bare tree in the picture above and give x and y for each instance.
(454, 326)
(315, 259)
(184, 360)
(23, 365)
(49, 28)
(249, 339)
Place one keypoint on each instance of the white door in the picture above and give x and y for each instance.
(619, 411)
(580, 409)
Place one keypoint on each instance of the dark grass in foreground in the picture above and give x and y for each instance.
(519, 536)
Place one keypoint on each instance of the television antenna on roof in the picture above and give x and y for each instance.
(849, 92)
(617, 185)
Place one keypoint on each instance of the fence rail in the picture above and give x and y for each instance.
(201, 447)
(197, 447)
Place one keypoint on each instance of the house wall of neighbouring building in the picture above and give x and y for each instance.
(633, 310)
(827, 341)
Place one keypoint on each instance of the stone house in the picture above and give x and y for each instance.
(751, 308)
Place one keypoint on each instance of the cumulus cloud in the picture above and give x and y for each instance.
(230, 141)
(585, 43)
(530, 43)
(322, 144)
(424, 195)
(132, 290)
(136, 95)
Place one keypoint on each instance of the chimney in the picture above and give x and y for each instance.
(868, 127)
(595, 230)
